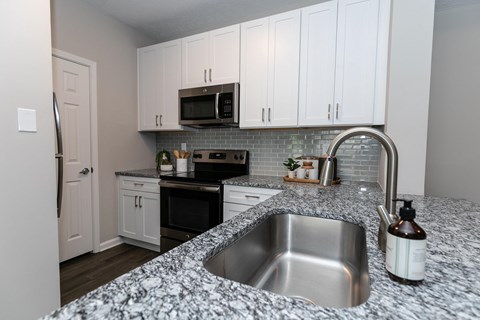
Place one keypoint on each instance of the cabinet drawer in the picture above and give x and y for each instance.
(139, 184)
(247, 195)
(230, 210)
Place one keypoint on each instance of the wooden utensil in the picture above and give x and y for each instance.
(187, 154)
(176, 154)
(182, 154)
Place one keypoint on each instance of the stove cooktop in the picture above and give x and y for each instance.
(200, 176)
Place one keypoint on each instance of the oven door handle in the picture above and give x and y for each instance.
(217, 102)
(186, 186)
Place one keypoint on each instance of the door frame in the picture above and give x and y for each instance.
(92, 71)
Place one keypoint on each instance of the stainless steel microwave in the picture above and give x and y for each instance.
(212, 106)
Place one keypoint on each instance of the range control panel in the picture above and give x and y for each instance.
(221, 156)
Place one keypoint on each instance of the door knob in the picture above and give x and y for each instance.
(84, 171)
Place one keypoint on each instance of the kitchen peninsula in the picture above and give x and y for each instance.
(176, 285)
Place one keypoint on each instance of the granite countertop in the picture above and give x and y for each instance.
(143, 173)
(175, 285)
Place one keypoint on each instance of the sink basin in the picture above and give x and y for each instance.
(319, 261)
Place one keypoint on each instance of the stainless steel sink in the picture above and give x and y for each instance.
(320, 261)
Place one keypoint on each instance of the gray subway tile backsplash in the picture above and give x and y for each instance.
(358, 157)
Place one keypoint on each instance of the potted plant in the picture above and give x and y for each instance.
(291, 165)
(163, 161)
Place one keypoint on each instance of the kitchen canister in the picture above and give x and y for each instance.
(182, 165)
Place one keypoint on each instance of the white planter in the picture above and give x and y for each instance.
(291, 174)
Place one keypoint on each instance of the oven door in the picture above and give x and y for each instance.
(188, 209)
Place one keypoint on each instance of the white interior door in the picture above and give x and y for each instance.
(75, 225)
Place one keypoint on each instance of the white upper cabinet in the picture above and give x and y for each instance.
(270, 55)
(159, 80)
(339, 63)
(317, 64)
(211, 58)
(355, 64)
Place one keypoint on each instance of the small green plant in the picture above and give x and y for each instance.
(291, 164)
(162, 158)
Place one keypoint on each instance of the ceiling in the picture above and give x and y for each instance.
(164, 20)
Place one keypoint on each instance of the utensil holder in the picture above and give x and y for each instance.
(182, 165)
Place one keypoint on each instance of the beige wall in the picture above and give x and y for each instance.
(453, 153)
(409, 89)
(29, 277)
(79, 29)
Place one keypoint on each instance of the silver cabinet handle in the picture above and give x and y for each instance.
(156, 120)
(269, 112)
(263, 114)
(250, 196)
(84, 171)
(205, 75)
(336, 112)
(329, 107)
(136, 205)
(138, 184)
(140, 202)
(161, 125)
(210, 74)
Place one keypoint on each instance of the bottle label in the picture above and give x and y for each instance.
(406, 257)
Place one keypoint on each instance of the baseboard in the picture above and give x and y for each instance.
(110, 243)
(142, 244)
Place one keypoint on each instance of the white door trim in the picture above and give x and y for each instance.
(92, 67)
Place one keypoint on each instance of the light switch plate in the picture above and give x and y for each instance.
(27, 120)
(183, 146)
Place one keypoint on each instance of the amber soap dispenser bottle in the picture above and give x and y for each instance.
(406, 248)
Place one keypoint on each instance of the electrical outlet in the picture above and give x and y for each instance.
(183, 146)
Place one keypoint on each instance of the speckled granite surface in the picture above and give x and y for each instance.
(176, 286)
(144, 173)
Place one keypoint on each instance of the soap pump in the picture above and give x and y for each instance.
(406, 247)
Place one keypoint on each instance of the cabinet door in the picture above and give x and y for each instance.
(170, 79)
(195, 60)
(149, 213)
(148, 83)
(254, 73)
(127, 213)
(317, 64)
(283, 69)
(355, 62)
(231, 210)
(224, 55)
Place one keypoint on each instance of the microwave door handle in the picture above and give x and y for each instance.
(217, 101)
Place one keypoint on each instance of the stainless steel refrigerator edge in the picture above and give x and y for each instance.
(58, 155)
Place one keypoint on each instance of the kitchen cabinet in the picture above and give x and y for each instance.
(139, 211)
(237, 199)
(270, 57)
(338, 64)
(159, 79)
(211, 58)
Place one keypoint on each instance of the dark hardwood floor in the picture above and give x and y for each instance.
(89, 271)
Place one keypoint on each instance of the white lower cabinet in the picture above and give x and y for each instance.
(139, 210)
(237, 199)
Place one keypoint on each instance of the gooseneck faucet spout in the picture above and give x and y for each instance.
(388, 212)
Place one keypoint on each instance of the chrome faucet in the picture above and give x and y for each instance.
(388, 212)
